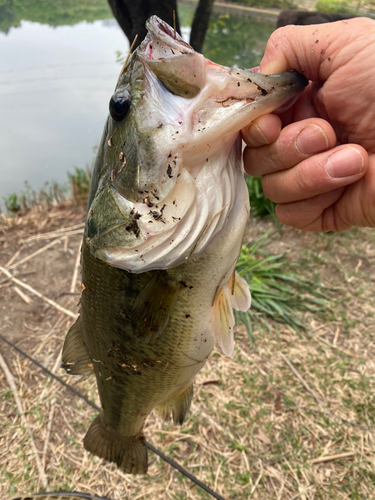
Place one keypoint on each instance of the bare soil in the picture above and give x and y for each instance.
(288, 417)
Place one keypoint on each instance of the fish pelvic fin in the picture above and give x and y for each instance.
(178, 406)
(75, 358)
(235, 294)
(129, 453)
(154, 306)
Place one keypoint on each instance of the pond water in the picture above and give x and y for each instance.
(56, 82)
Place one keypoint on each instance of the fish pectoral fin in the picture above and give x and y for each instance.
(240, 296)
(154, 306)
(75, 358)
(233, 295)
(178, 406)
(222, 320)
(129, 453)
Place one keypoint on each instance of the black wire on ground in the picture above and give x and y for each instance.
(64, 494)
(93, 405)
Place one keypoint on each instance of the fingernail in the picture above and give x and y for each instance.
(257, 137)
(311, 140)
(345, 162)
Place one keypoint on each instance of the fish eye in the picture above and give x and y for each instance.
(119, 105)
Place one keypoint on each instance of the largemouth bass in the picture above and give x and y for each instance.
(167, 211)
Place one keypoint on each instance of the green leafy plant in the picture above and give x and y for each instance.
(51, 192)
(279, 291)
(334, 7)
(80, 183)
(260, 205)
(11, 203)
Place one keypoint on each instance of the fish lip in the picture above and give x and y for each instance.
(290, 79)
(269, 83)
(286, 105)
(159, 30)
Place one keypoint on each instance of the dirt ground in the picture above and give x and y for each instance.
(288, 417)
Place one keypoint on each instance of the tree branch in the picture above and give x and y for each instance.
(200, 24)
(132, 15)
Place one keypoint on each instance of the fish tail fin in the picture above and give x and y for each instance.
(128, 452)
(179, 406)
(75, 358)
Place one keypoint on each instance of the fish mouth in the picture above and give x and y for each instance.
(161, 32)
(218, 101)
(237, 97)
(176, 64)
(184, 72)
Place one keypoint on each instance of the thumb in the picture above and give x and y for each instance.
(313, 50)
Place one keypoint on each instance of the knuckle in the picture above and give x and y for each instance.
(311, 177)
(268, 186)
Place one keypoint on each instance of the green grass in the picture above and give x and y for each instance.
(279, 290)
(79, 183)
(254, 430)
(260, 205)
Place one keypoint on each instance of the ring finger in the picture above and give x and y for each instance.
(318, 174)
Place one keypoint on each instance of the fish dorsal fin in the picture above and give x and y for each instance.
(239, 292)
(154, 305)
(222, 321)
(233, 295)
(75, 358)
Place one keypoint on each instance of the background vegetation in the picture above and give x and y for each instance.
(353, 7)
(268, 4)
(51, 12)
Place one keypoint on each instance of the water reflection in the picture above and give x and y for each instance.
(51, 12)
(237, 41)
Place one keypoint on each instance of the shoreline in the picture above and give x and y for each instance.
(234, 8)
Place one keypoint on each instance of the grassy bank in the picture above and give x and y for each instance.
(289, 416)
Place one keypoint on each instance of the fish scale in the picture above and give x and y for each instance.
(167, 210)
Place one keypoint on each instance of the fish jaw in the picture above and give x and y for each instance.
(217, 100)
(232, 99)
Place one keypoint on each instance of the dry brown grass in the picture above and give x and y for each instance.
(289, 417)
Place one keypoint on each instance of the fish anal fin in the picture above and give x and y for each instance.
(154, 306)
(240, 296)
(129, 453)
(75, 358)
(222, 320)
(178, 406)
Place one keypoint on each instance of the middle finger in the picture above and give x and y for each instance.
(295, 143)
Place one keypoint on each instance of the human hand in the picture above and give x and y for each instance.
(317, 159)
